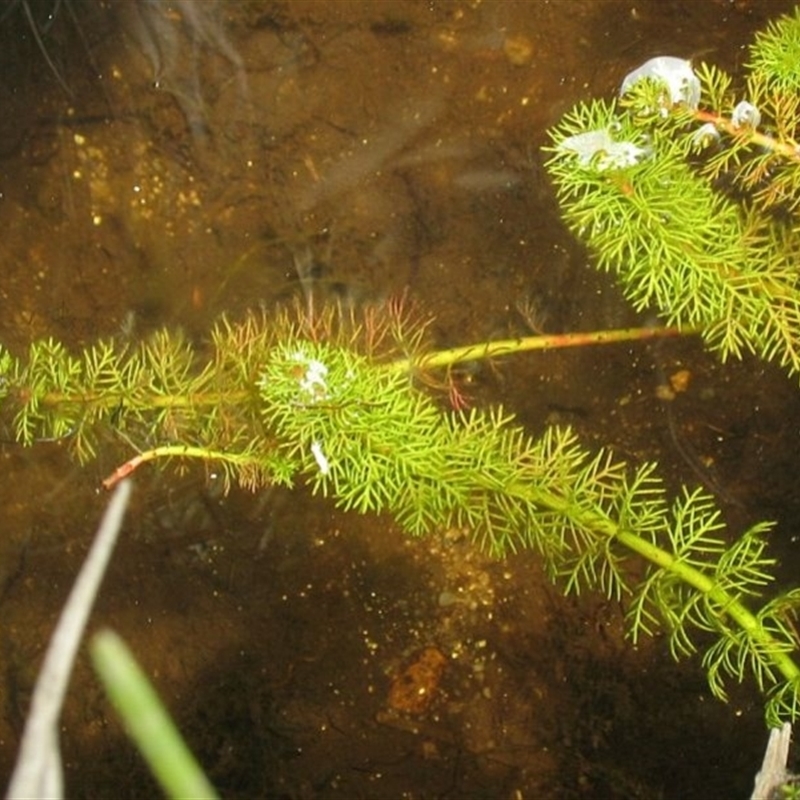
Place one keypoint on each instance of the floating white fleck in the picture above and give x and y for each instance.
(677, 73)
(598, 149)
(312, 382)
(745, 115)
(319, 457)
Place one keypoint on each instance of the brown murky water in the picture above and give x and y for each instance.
(211, 156)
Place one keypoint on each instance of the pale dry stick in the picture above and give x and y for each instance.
(38, 771)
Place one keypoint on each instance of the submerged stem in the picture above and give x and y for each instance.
(505, 347)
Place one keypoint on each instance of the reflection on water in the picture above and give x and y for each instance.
(209, 156)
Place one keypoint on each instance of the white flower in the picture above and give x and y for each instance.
(677, 73)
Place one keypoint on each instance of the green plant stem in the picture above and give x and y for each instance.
(436, 360)
(158, 401)
(789, 150)
(504, 347)
(736, 610)
(690, 575)
(173, 451)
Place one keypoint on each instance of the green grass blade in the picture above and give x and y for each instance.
(147, 721)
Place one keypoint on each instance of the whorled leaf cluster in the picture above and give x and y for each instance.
(776, 53)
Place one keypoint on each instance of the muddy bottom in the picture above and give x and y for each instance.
(165, 163)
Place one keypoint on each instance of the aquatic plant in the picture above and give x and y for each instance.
(687, 188)
(342, 401)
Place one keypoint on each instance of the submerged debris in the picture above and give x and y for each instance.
(599, 149)
(676, 73)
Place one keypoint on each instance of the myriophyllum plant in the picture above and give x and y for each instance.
(687, 189)
(342, 401)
